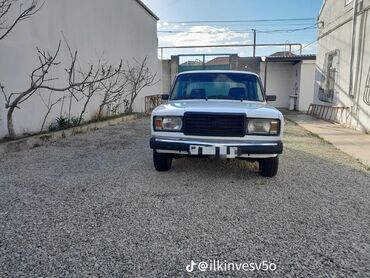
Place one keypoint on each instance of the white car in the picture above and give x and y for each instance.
(217, 113)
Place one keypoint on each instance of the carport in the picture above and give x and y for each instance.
(289, 76)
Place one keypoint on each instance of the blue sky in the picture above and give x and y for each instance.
(173, 32)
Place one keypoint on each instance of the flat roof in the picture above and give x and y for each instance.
(149, 11)
(295, 58)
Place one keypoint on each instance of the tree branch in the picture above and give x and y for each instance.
(5, 7)
(87, 83)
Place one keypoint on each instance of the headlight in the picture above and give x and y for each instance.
(263, 126)
(167, 123)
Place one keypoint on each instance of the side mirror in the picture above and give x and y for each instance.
(165, 97)
(271, 98)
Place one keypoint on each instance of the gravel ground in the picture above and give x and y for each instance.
(92, 205)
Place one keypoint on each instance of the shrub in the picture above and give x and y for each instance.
(63, 122)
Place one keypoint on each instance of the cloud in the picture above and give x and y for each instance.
(162, 24)
(204, 35)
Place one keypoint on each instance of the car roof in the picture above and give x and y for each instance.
(218, 71)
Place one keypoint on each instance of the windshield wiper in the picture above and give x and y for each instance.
(226, 98)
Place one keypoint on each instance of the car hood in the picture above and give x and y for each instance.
(251, 109)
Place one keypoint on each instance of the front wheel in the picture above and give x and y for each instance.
(269, 166)
(162, 161)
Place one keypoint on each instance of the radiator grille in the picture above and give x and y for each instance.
(211, 124)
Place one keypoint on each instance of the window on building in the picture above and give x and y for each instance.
(347, 2)
(329, 77)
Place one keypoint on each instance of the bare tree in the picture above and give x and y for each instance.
(113, 92)
(40, 80)
(138, 77)
(49, 104)
(8, 8)
(110, 88)
(89, 91)
(126, 86)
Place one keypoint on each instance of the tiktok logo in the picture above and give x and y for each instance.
(190, 267)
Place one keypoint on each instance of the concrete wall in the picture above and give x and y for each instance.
(166, 76)
(112, 29)
(336, 35)
(295, 83)
(286, 78)
(279, 82)
(249, 64)
(169, 72)
(307, 84)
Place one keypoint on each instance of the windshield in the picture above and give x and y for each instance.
(234, 86)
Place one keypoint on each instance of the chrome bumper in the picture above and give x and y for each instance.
(252, 147)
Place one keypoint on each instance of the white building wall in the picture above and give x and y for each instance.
(279, 76)
(295, 84)
(112, 29)
(336, 35)
(307, 84)
(286, 78)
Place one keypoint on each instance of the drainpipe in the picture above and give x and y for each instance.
(351, 91)
(361, 20)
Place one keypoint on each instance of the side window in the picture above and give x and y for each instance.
(329, 77)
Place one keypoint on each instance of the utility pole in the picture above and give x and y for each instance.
(254, 42)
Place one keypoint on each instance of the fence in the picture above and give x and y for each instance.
(152, 102)
(189, 62)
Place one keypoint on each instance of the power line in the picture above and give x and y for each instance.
(230, 45)
(311, 27)
(252, 25)
(246, 24)
(241, 21)
(204, 32)
(288, 30)
(303, 47)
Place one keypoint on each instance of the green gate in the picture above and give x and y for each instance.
(189, 62)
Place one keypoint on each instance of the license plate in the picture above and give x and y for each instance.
(222, 151)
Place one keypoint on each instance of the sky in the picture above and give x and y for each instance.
(174, 28)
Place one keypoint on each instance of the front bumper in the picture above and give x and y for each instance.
(242, 148)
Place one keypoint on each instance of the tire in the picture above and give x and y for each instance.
(269, 166)
(162, 161)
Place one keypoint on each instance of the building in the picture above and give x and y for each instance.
(109, 29)
(343, 60)
(291, 78)
(283, 54)
(219, 61)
